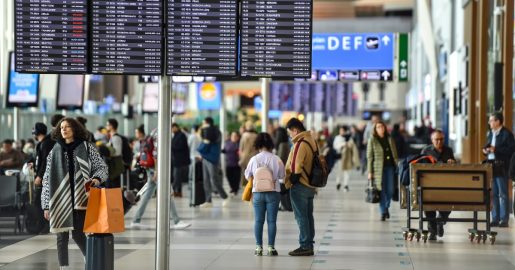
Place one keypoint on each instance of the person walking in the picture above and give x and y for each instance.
(232, 168)
(381, 164)
(210, 149)
(345, 146)
(64, 198)
(267, 170)
(247, 151)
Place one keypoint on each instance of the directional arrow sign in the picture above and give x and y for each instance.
(386, 40)
(402, 63)
(386, 75)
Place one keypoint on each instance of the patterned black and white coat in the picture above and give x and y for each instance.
(56, 195)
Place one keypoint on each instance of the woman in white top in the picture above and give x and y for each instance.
(267, 171)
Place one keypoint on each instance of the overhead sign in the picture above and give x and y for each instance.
(377, 75)
(353, 52)
(51, 36)
(402, 60)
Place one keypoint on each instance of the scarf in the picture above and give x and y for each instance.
(62, 201)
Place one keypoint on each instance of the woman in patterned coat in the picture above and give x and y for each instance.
(64, 197)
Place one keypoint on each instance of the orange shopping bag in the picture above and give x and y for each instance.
(105, 211)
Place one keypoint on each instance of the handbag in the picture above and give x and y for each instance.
(104, 213)
(247, 192)
(373, 194)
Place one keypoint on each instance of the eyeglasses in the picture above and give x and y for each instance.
(438, 139)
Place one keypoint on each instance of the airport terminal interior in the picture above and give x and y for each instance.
(257, 134)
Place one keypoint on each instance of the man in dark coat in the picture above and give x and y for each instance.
(498, 150)
(180, 159)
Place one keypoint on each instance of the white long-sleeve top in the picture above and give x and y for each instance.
(270, 160)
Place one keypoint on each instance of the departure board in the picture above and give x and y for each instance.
(202, 37)
(126, 37)
(51, 36)
(276, 38)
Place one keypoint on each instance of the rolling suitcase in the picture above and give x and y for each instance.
(198, 195)
(100, 252)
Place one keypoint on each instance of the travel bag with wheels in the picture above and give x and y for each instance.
(100, 252)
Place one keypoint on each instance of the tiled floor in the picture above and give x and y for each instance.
(349, 235)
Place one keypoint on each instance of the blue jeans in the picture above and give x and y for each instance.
(302, 204)
(500, 200)
(387, 188)
(147, 195)
(265, 202)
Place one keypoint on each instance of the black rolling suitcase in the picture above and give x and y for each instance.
(100, 252)
(198, 196)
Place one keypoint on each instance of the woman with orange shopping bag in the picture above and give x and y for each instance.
(72, 164)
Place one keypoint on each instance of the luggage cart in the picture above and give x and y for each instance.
(449, 187)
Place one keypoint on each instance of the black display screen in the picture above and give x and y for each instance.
(51, 36)
(126, 37)
(276, 38)
(202, 37)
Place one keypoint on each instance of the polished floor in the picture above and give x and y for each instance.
(349, 236)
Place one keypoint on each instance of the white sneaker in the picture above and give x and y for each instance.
(64, 267)
(225, 202)
(206, 205)
(181, 225)
(139, 226)
(136, 226)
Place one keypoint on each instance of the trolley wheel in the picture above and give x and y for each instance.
(478, 238)
(418, 236)
(405, 235)
(492, 239)
(471, 237)
(484, 238)
(424, 237)
(411, 235)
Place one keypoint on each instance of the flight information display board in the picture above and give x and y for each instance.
(51, 36)
(202, 37)
(126, 37)
(276, 38)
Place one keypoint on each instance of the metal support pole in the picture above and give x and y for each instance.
(16, 123)
(265, 96)
(163, 174)
(223, 128)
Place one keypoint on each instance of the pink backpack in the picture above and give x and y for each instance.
(263, 179)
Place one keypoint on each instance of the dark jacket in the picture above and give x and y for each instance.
(43, 148)
(231, 151)
(442, 157)
(180, 150)
(211, 149)
(504, 145)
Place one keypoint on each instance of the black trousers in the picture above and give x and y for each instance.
(431, 225)
(179, 175)
(77, 234)
(233, 176)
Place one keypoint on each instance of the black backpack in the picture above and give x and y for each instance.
(404, 173)
(319, 169)
(127, 154)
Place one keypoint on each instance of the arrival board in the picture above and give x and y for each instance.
(126, 37)
(51, 36)
(276, 38)
(202, 37)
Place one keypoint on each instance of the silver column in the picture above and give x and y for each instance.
(265, 95)
(163, 176)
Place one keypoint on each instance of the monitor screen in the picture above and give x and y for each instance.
(70, 92)
(150, 98)
(23, 88)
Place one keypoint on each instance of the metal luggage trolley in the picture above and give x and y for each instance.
(449, 187)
